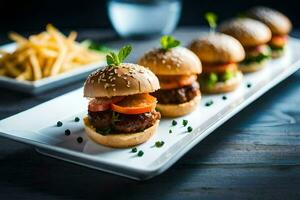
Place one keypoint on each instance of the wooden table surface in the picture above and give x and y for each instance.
(255, 155)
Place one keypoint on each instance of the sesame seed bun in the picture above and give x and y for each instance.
(248, 32)
(175, 61)
(120, 140)
(217, 48)
(275, 20)
(222, 87)
(253, 67)
(177, 110)
(125, 79)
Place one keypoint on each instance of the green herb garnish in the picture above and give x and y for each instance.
(209, 103)
(184, 122)
(59, 124)
(134, 150)
(174, 122)
(170, 131)
(224, 97)
(159, 144)
(76, 119)
(140, 153)
(189, 129)
(114, 59)
(67, 132)
(168, 42)
(95, 46)
(211, 19)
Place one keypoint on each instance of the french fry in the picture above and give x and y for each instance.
(17, 38)
(11, 69)
(45, 54)
(36, 70)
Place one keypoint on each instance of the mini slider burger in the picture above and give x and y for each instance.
(177, 69)
(121, 112)
(253, 35)
(219, 54)
(279, 24)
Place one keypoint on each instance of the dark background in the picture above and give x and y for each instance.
(33, 15)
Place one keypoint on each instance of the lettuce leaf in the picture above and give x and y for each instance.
(257, 59)
(210, 79)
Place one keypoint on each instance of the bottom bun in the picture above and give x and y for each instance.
(255, 66)
(177, 110)
(120, 140)
(226, 86)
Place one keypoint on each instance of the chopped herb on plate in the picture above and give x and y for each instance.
(79, 140)
(159, 144)
(59, 124)
(209, 103)
(140, 153)
(76, 119)
(67, 132)
(184, 122)
(174, 122)
(134, 150)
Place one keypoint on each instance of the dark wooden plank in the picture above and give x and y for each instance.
(36, 177)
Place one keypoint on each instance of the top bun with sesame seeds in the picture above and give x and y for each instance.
(122, 80)
(175, 61)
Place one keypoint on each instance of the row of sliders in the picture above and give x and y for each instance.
(127, 100)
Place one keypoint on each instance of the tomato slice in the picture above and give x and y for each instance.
(135, 104)
(171, 82)
(101, 104)
(279, 40)
(220, 68)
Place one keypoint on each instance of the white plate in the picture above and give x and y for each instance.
(37, 126)
(36, 87)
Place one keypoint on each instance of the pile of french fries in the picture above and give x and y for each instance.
(46, 54)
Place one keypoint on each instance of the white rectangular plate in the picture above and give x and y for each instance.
(37, 126)
(36, 87)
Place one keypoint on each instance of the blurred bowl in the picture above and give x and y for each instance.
(144, 18)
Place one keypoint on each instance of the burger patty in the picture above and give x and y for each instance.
(177, 95)
(122, 123)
